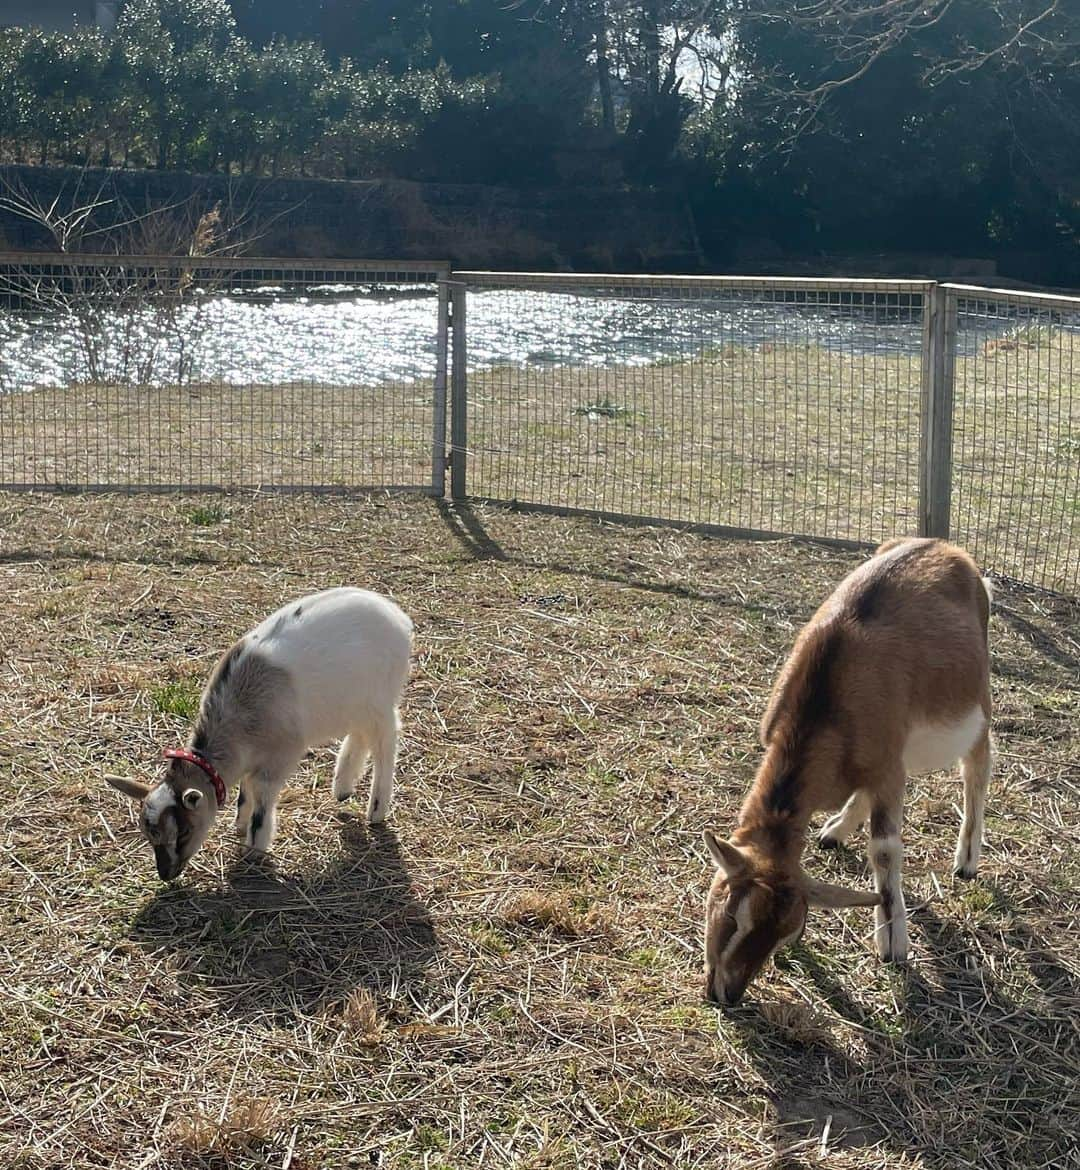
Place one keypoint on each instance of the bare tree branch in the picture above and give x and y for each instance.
(138, 321)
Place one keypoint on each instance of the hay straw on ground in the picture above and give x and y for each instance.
(584, 700)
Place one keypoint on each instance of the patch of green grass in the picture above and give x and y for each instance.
(690, 1017)
(977, 899)
(647, 958)
(601, 777)
(652, 1112)
(177, 698)
(489, 939)
(1057, 702)
(502, 1013)
(502, 1120)
(205, 515)
(428, 1138)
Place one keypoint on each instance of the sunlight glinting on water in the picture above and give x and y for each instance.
(337, 336)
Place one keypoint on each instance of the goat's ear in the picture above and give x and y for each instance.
(136, 789)
(192, 798)
(835, 897)
(726, 856)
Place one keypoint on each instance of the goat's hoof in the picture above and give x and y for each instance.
(966, 872)
(826, 842)
(253, 860)
(891, 943)
(895, 954)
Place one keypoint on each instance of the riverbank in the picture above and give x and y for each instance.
(584, 228)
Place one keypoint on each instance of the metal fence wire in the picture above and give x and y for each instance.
(244, 373)
(849, 410)
(1016, 433)
(753, 405)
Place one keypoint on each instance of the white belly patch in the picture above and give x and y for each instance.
(931, 746)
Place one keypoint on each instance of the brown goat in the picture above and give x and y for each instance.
(891, 676)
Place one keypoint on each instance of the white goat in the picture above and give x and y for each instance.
(329, 665)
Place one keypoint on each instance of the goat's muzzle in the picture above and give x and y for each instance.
(168, 867)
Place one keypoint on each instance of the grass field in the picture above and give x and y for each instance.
(777, 438)
(508, 974)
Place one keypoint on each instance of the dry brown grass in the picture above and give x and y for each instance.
(554, 911)
(241, 1128)
(361, 1017)
(217, 436)
(508, 973)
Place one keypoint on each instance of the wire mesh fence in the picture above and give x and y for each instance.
(847, 410)
(192, 373)
(764, 405)
(1016, 433)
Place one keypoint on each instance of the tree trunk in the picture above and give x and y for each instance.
(603, 73)
(650, 41)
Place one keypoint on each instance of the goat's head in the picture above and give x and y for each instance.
(754, 908)
(175, 816)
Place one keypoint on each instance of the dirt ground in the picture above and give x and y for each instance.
(507, 974)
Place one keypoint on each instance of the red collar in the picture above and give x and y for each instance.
(194, 758)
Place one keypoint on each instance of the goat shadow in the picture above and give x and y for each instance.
(818, 1094)
(284, 946)
(969, 1035)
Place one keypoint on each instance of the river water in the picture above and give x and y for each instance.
(336, 335)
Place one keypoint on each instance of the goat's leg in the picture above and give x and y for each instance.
(384, 754)
(351, 761)
(886, 853)
(244, 804)
(841, 825)
(975, 768)
(266, 785)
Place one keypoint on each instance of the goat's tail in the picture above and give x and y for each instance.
(986, 598)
